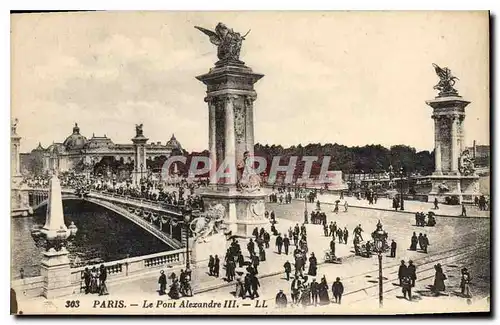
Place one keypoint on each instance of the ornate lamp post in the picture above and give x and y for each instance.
(379, 237)
(187, 212)
(305, 209)
(401, 174)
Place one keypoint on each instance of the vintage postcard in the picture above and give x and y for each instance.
(250, 163)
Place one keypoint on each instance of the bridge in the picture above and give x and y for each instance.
(164, 221)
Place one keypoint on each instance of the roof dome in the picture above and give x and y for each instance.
(75, 141)
(173, 143)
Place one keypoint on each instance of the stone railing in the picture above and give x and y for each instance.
(28, 287)
(128, 268)
(140, 201)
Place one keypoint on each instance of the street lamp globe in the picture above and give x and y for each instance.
(380, 238)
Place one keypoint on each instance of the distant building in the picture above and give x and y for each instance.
(481, 155)
(98, 154)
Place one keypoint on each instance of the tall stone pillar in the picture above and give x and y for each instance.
(15, 145)
(448, 114)
(230, 138)
(212, 141)
(454, 144)
(140, 167)
(230, 96)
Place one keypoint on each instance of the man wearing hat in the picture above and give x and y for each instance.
(162, 281)
(412, 272)
(403, 271)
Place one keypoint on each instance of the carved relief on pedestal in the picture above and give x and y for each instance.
(239, 123)
(257, 209)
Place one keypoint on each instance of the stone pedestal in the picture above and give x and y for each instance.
(56, 271)
(244, 211)
(140, 168)
(214, 245)
(463, 187)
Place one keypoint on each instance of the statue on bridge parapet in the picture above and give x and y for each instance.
(466, 166)
(209, 223)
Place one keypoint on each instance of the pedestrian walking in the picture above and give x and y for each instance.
(338, 290)
(465, 283)
(464, 211)
(162, 281)
(216, 266)
(288, 270)
(103, 275)
(279, 243)
(211, 262)
(286, 244)
(439, 278)
(393, 248)
(402, 272)
(412, 272)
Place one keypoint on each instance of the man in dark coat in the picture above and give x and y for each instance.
(403, 271)
(281, 300)
(86, 278)
(286, 243)
(393, 248)
(314, 292)
(255, 263)
(267, 239)
(295, 288)
(255, 286)
(325, 229)
(162, 281)
(251, 247)
(426, 243)
(216, 266)
(247, 285)
(332, 247)
(406, 287)
(279, 243)
(332, 230)
(288, 269)
(412, 272)
(338, 290)
(255, 232)
(346, 235)
(211, 262)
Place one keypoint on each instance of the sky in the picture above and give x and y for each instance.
(352, 78)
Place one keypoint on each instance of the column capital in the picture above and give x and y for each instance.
(249, 99)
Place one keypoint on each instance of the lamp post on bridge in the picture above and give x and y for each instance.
(401, 174)
(187, 213)
(379, 237)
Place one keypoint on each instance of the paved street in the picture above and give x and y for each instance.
(454, 243)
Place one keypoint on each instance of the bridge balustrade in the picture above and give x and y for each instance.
(135, 266)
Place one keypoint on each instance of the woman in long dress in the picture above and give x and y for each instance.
(93, 280)
(313, 265)
(414, 242)
(324, 299)
(439, 278)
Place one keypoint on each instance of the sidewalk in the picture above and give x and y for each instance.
(411, 207)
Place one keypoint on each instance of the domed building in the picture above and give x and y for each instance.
(173, 144)
(75, 141)
(97, 155)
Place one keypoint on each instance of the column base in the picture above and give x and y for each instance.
(56, 271)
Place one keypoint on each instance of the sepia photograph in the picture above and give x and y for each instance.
(250, 163)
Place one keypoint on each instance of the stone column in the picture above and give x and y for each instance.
(230, 149)
(212, 141)
(437, 146)
(437, 157)
(249, 136)
(454, 144)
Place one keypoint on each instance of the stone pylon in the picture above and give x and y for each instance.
(55, 265)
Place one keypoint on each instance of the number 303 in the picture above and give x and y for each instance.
(72, 303)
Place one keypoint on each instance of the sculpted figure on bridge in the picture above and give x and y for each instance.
(208, 224)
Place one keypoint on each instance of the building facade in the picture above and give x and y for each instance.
(97, 155)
